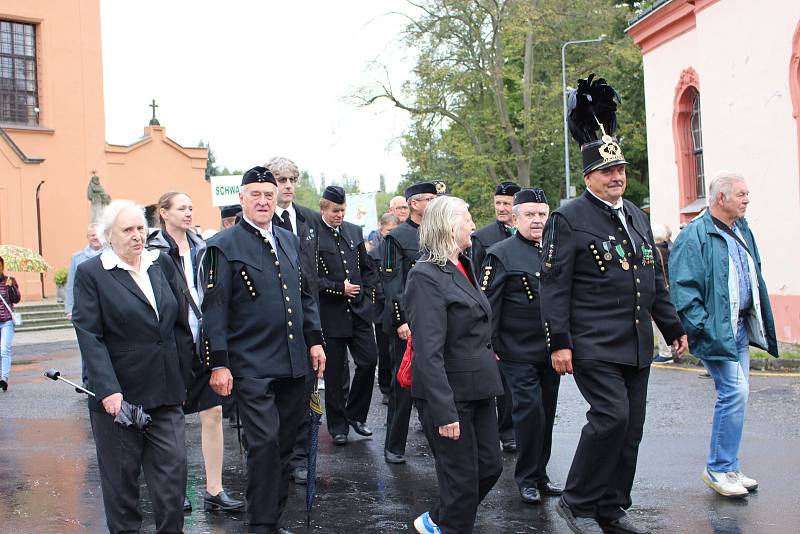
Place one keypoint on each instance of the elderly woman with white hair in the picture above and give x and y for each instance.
(133, 331)
(454, 372)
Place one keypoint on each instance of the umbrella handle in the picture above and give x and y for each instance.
(55, 374)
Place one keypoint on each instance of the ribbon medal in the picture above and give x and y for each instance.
(623, 261)
(607, 247)
(647, 255)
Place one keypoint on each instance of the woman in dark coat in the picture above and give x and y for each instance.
(185, 248)
(133, 332)
(455, 376)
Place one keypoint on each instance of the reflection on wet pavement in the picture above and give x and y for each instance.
(49, 480)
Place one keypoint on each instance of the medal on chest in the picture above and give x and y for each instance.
(623, 261)
(647, 255)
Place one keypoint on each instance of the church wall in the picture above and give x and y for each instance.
(741, 51)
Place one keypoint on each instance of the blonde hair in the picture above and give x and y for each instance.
(437, 233)
(280, 166)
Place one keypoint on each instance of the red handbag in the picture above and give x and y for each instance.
(404, 372)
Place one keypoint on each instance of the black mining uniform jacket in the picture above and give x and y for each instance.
(307, 232)
(342, 255)
(599, 290)
(401, 252)
(256, 319)
(484, 238)
(510, 280)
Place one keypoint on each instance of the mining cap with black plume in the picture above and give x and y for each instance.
(592, 107)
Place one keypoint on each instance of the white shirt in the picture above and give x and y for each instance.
(109, 259)
(292, 215)
(620, 207)
(188, 272)
(264, 233)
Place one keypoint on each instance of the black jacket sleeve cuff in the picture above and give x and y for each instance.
(313, 337)
(673, 332)
(559, 341)
(217, 358)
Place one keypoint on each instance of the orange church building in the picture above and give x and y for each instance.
(52, 136)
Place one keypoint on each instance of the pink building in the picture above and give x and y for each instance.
(722, 92)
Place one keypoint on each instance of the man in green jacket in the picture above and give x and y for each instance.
(722, 300)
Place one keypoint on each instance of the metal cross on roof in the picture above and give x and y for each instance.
(154, 120)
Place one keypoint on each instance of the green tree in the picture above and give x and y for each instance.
(211, 167)
(382, 183)
(485, 94)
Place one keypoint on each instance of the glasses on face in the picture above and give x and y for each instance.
(283, 179)
(401, 208)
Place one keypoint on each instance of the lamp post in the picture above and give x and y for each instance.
(564, 94)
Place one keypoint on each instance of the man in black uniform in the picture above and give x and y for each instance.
(263, 337)
(347, 279)
(600, 287)
(401, 253)
(388, 222)
(511, 283)
(482, 239)
(304, 223)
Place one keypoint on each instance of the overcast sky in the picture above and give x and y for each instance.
(259, 79)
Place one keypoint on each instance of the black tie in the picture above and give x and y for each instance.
(286, 221)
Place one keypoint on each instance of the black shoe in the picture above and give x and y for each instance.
(622, 525)
(187, 506)
(393, 458)
(385, 399)
(340, 439)
(547, 488)
(579, 525)
(221, 502)
(360, 428)
(300, 475)
(510, 446)
(3, 385)
(530, 495)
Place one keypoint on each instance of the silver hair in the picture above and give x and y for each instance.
(280, 166)
(111, 212)
(723, 183)
(437, 232)
(388, 218)
(660, 232)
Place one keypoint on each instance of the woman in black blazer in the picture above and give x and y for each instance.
(133, 332)
(454, 373)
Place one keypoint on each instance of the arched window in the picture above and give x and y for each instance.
(688, 137)
(697, 147)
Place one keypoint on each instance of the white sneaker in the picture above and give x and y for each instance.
(748, 483)
(726, 484)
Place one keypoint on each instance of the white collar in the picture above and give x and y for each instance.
(110, 259)
(263, 232)
(618, 205)
(328, 225)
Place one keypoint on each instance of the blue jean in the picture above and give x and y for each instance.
(6, 338)
(732, 381)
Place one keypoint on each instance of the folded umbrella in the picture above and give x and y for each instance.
(129, 415)
(22, 260)
(315, 408)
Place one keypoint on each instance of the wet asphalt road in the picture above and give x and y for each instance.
(49, 480)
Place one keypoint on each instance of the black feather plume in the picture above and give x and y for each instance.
(592, 102)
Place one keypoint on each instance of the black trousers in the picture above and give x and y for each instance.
(505, 422)
(466, 468)
(341, 408)
(534, 394)
(300, 450)
(600, 479)
(270, 409)
(160, 452)
(384, 360)
(399, 410)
